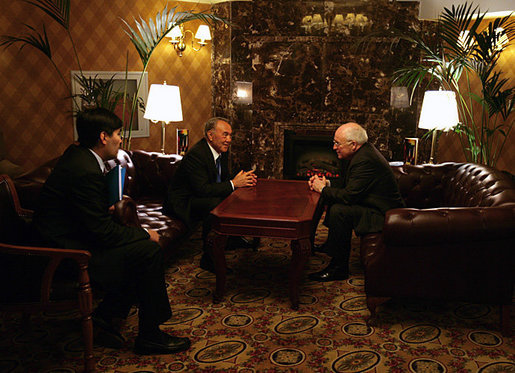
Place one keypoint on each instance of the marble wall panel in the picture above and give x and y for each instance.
(312, 74)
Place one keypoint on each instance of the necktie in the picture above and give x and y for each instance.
(218, 170)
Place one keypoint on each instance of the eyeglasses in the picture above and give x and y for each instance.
(337, 144)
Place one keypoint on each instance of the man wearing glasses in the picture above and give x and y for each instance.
(358, 200)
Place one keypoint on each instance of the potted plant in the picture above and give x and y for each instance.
(464, 53)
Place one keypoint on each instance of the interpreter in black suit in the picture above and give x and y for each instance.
(126, 262)
(358, 200)
(199, 185)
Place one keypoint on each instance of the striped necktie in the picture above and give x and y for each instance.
(218, 170)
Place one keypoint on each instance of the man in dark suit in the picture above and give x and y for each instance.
(126, 262)
(202, 180)
(358, 200)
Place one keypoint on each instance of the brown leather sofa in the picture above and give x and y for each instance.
(148, 174)
(455, 239)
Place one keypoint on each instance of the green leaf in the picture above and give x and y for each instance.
(59, 10)
(34, 39)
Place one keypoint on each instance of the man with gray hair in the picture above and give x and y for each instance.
(358, 200)
(203, 180)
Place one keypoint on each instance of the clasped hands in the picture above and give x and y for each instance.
(317, 183)
(245, 179)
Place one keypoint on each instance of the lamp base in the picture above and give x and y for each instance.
(433, 141)
(163, 135)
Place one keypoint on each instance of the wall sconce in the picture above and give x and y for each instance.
(399, 98)
(243, 93)
(163, 105)
(439, 112)
(178, 33)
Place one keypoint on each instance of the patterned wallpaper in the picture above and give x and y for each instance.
(36, 116)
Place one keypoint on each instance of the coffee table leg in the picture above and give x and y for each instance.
(216, 246)
(301, 250)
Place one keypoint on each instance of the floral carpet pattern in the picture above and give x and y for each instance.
(255, 330)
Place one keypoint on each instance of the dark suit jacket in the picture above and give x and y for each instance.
(366, 180)
(196, 178)
(73, 206)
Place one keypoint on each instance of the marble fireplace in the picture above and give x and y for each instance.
(305, 149)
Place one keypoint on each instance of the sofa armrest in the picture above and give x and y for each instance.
(410, 226)
(126, 212)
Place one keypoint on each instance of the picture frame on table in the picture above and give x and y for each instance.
(182, 140)
(140, 125)
(410, 150)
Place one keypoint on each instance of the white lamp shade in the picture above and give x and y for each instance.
(203, 33)
(163, 104)
(439, 111)
(175, 34)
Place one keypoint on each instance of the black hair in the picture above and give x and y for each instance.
(92, 122)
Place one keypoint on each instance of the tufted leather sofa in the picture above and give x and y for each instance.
(147, 177)
(454, 240)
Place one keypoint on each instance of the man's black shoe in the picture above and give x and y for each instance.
(330, 273)
(238, 242)
(107, 335)
(162, 344)
(207, 264)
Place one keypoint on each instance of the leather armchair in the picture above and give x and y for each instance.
(455, 240)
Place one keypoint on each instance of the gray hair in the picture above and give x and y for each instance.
(211, 123)
(356, 133)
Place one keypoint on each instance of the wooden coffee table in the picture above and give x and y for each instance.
(283, 209)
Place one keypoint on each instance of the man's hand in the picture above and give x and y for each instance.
(317, 183)
(154, 236)
(245, 179)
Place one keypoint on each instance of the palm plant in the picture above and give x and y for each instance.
(98, 92)
(59, 11)
(466, 53)
(147, 37)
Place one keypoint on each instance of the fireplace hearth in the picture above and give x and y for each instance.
(308, 153)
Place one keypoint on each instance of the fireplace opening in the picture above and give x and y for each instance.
(307, 154)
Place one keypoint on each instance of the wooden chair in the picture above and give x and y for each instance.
(16, 243)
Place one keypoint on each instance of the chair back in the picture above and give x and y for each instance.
(14, 224)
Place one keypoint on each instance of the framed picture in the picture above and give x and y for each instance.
(410, 150)
(140, 124)
(182, 141)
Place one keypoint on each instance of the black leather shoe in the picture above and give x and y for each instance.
(106, 334)
(330, 273)
(207, 264)
(238, 242)
(162, 344)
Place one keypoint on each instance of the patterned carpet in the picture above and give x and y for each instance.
(255, 330)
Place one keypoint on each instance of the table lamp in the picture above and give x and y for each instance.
(439, 112)
(163, 105)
